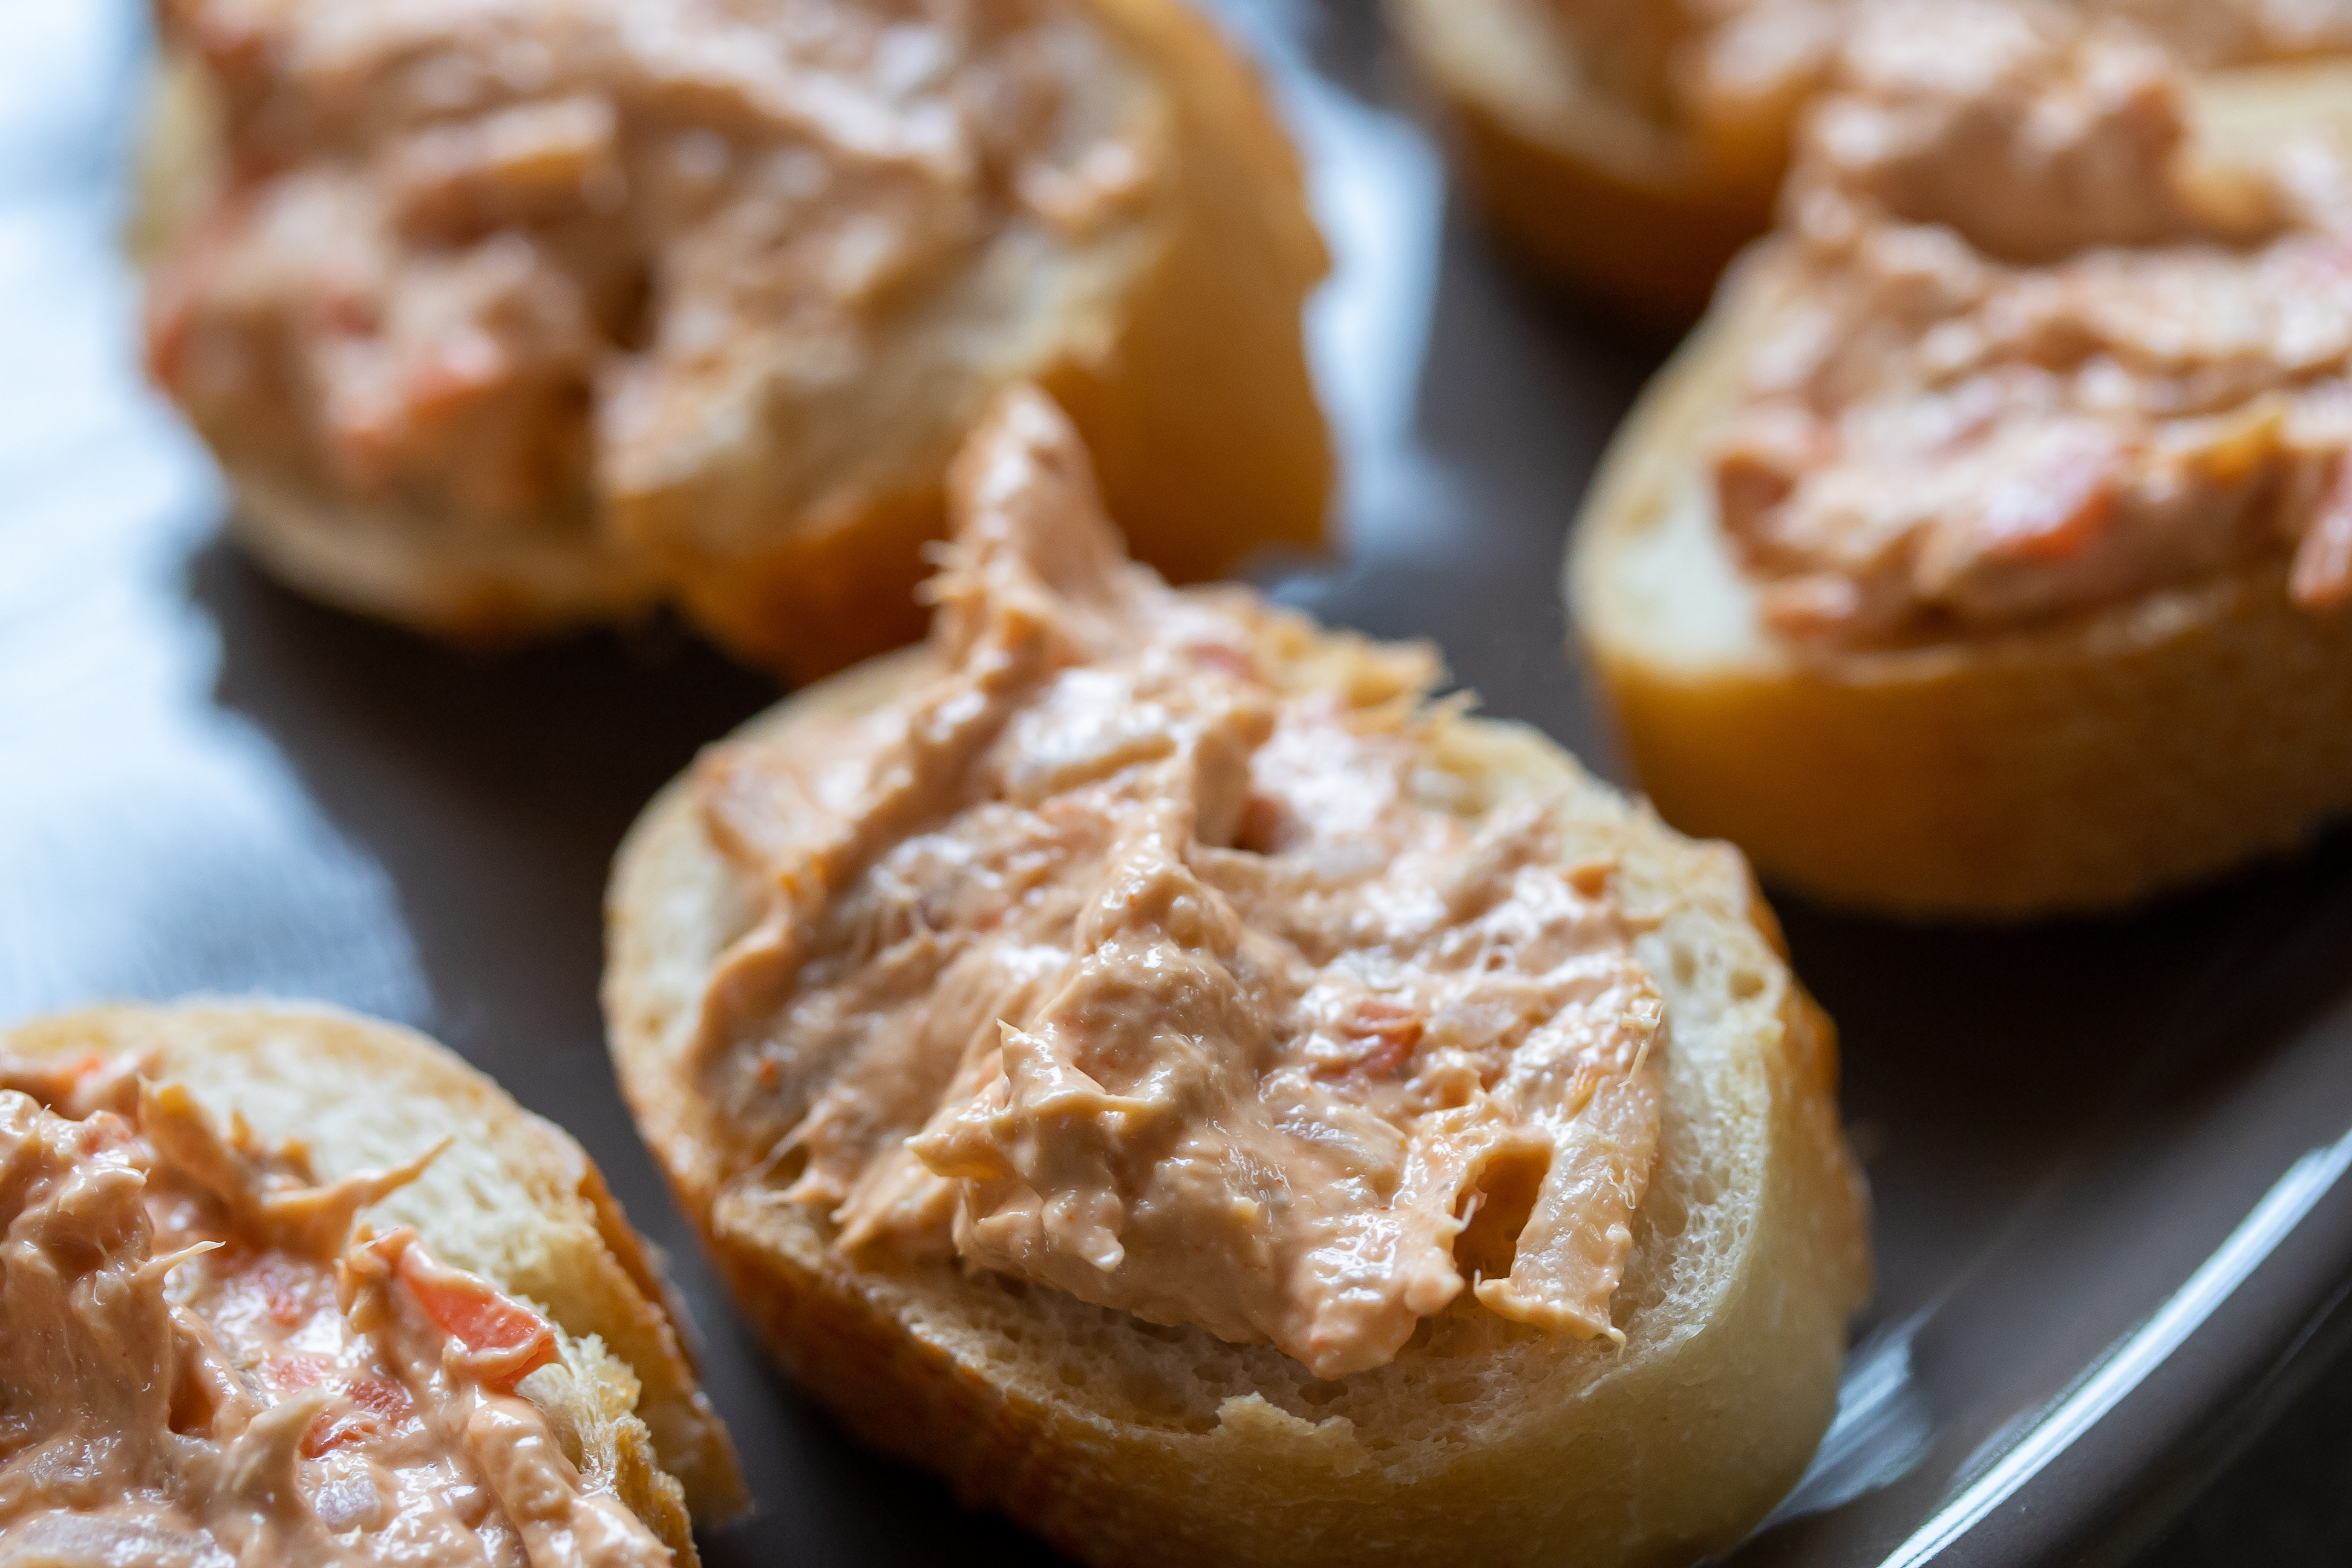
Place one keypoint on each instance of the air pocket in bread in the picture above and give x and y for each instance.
(1139, 1055)
(503, 318)
(285, 1285)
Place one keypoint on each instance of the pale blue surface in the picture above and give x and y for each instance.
(134, 814)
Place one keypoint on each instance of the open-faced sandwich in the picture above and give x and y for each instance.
(287, 1286)
(1632, 146)
(1988, 550)
(1139, 1055)
(503, 315)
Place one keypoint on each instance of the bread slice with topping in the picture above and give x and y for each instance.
(1021, 1018)
(2078, 759)
(698, 313)
(266, 1130)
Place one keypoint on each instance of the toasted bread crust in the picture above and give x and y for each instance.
(1184, 363)
(1610, 204)
(2077, 766)
(513, 1199)
(1124, 1443)
(407, 566)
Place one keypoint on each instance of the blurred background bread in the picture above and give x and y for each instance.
(1631, 147)
(700, 314)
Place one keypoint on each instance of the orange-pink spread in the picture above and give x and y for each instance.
(501, 261)
(1143, 945)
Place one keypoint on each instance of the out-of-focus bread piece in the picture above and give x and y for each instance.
(1631, 147)
(697, 311)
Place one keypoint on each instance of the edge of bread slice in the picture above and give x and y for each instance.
(512, 1198)
(1484, 1440)
(2078, 766)
(1611, 200)
(1173, 336)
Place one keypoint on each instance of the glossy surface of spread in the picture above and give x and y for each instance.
(505, 259)
(1131, 949)
(2036, 359)
(203, 1366)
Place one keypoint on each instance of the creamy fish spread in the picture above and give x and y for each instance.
(204, 1366)
(2034, 367)
(502, 259)
(1144, 944)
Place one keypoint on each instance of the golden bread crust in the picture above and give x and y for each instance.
(1609, 202)
(1484, 1440)
(513, 1199)
(1178, 351)
(453, 582)
(1646, 214)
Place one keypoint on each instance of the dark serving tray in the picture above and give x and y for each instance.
(2113, 1233)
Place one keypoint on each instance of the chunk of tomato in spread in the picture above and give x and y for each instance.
(508, 1340)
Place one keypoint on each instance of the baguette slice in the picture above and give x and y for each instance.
(1485, 1441)
(383, 555)
(793, 535)
(512, 1198)
(2077, 766)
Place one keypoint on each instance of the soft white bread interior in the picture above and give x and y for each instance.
(1485, 1441)
(2074, 766)
(512, 1198)
(791, 525)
